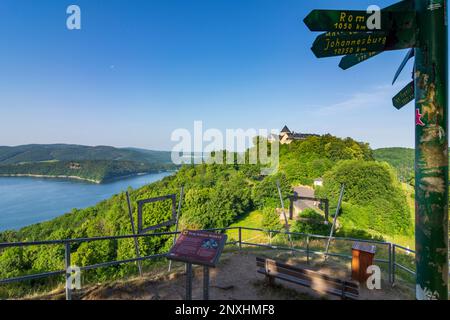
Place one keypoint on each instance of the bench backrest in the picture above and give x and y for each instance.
(313, 279)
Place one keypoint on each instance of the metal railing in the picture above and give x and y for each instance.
(391, 261)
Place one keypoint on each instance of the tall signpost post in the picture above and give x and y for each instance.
(430, 78)
(422, 26)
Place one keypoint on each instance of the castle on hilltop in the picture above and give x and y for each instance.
(287, 136)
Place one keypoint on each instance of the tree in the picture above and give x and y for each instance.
(271, 220)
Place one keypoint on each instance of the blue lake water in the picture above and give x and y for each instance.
(24, 201)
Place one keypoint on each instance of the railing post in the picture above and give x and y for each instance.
(240, 238)
(307, 249)
(68, 275)
(393, 264)
(188, 281)
(390, 263)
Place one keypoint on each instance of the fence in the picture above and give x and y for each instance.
(308, 244)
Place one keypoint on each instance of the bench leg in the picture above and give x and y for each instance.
(270, 280)
(343, 296)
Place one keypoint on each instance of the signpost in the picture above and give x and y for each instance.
(431, 93)
(421, 25)
(200, 248)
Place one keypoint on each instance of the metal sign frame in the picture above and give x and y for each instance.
(171, 222)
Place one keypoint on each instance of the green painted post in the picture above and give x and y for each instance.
(431, 169)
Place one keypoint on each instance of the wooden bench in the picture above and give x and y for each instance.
(312, 279)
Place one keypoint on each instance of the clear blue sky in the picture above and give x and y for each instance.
(139, 69)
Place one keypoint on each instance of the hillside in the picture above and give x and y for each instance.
(402, 159)
(217, 196)
(95, 164)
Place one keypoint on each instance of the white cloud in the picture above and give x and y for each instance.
(372, 98)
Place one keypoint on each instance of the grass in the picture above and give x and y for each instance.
(406, 240)
(250, 220)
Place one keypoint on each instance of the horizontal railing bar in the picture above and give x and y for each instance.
(295, 249)
(274, 247)
(403, 248)
(32, 277)
(80, 240)
(405, 268)
(94, 266)
(320, 253)
(317, 236)
(113, 263)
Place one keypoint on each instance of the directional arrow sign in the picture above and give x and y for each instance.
(353, 59)
(408, 56)
(345, 20)
(398, 16)
(343, 43)
(405, 96)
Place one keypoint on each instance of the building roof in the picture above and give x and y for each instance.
(285, 130)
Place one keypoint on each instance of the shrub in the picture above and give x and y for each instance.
(271, 219)
(373, 197)
(310, 213)
(311, 227)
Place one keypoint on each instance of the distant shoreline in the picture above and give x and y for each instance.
(29, 175)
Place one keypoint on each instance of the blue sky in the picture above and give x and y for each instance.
(140, 69)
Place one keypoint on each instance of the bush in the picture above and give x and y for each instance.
(373, 197)
(311, 227)
(265, 194)
(310, 213)
(271, 220)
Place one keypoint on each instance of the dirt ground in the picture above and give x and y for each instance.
(234, 279)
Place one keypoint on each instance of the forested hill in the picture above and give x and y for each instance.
(402, 159)
(68, 152)
(95, 164)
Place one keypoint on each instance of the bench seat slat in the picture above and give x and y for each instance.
(333, 291)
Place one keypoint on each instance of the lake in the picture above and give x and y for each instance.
(25, 201)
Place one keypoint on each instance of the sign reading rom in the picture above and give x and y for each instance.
(198, 247)
(345, 20)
